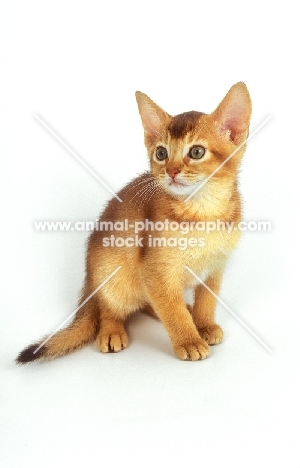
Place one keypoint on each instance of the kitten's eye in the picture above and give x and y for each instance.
(197, 152)
(161, 153)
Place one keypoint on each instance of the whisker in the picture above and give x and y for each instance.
(142, 190)
(138, 183)
(143, 196)
(149, 193)
(155, 189)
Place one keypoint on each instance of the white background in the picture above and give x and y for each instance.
(77, 66)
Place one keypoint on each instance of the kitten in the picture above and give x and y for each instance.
(184, 151)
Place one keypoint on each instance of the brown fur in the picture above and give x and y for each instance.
(151, 278)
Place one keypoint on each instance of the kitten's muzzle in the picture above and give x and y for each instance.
(173, 171)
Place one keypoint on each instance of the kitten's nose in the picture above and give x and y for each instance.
(173, 171)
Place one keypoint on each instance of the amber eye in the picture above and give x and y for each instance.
(197, 152)
(161, 153)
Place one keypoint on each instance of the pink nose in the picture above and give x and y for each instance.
(173, 171)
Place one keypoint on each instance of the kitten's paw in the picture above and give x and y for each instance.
(212, 334)
(192, 350)
(112, 342)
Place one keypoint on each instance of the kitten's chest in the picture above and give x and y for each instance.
(202, 242)
(203, 252)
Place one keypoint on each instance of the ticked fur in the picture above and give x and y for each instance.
(154, 278)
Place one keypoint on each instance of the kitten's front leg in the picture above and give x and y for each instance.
(204, 309)
(172, 311)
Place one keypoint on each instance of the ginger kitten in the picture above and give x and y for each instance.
(184, 151)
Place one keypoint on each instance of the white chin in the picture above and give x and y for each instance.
(181, 189)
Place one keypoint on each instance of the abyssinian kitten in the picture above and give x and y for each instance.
(184, 151)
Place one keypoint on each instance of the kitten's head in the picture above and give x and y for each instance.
(187, 149)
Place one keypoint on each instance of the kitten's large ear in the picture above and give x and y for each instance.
(153, 117)
(232, 116)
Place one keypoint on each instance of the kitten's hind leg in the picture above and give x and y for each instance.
(112, 336)
(115, 305)
(204, 310)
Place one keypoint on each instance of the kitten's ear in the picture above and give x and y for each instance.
(232, 116)
(153, 117)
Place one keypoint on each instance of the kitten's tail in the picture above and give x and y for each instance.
(81, 331)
